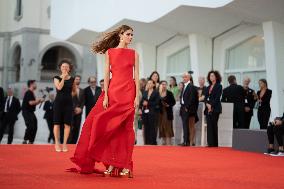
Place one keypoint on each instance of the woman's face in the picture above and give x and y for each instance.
(155, 77)
(127, 36)
(150, 84)
(180, 86)
(65, 68)
(261, 84)
(172, 82)
(212, 77)
(164, 86)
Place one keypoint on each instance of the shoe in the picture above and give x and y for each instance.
(109, 171)
(57, 148)
(65, 149)
(280, 153)
(270, 151)
(184, 144)
(25, 142)
(126, 173)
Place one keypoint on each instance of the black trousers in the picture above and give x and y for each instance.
(238, 117)
(185, 124)
(247, 120)
(31, 124)
(212, 129)
(50, 125)
(263, 117)
(150, 121)
(75, 129)
(7, 122)
(278, 131)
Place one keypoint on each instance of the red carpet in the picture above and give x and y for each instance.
(39, 167)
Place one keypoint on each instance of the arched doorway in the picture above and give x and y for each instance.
(16, 64)
(50, 60)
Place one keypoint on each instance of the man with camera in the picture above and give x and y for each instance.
(276, 128)
(28, 108)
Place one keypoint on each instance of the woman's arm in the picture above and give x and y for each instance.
(136, 77)
(74, 89)
(106, 80)
(106, 74)
(58, 84)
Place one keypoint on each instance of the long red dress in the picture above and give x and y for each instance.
(107, 135)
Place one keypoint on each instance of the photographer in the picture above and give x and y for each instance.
(28, 108)
(276, 128)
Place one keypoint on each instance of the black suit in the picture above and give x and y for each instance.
(78, 102)
(188, 108)
(235, 94)
(250, 103)
(213, 97)
(1, 103)
(264, 109)
(10, 116)
(90, 98)
(48, 116)
(150, 116)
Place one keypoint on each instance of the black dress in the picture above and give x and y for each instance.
(63, 104)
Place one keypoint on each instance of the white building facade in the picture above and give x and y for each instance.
(244, 38)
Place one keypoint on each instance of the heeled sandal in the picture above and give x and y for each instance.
(109, 172)
(126, 173)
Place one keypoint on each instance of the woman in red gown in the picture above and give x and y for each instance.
(107, 135)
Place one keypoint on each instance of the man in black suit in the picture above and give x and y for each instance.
(92, 93)
(235, 94)
(12, 108)
(188, 111)
(250, 100)
(1, 104)
(78, 105)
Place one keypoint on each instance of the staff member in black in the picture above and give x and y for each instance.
(48, 116)
(188, 111)
(28, 108)
(12, 108)
(1, 104)
(91, 94)
(250, 99)
(78, 105)
(264, 110)
(235, 94)
(213, 107)
(149, 108)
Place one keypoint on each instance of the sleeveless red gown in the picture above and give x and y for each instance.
(107, 135)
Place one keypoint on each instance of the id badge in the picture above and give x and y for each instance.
(246, 101)
(208, 99)
(146, 111)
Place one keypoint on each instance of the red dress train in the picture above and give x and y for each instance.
(107, 135)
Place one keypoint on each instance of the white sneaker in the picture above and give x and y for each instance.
(278, 154)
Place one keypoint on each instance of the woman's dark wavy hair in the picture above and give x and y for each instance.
(155, 72)
(217, 75)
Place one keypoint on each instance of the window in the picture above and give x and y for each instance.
(178, 63)
(247, 59)
(19, 10)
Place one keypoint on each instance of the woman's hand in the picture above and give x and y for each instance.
(65, 75)
(105, 102)
(145, 103)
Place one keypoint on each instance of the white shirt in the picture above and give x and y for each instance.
(8, 101)
(93, 90)
(185, 85)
